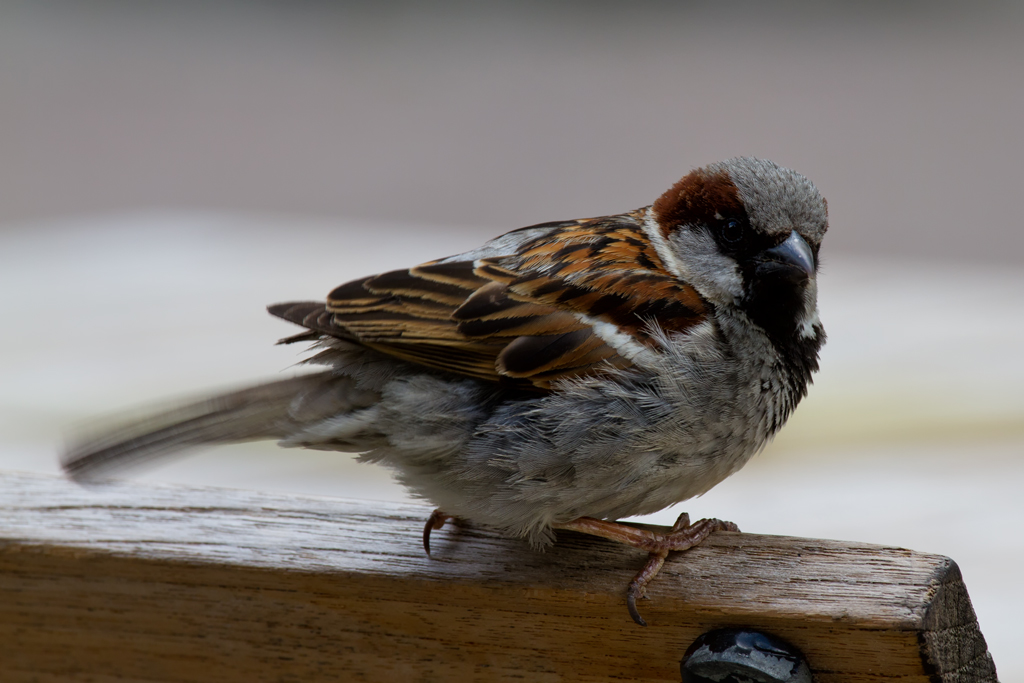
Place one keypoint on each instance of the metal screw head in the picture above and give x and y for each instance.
(733, 655)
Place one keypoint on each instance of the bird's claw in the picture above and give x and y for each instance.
(435, 521)
(682, 536)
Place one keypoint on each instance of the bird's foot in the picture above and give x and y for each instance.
(682, 536)
(435, 521)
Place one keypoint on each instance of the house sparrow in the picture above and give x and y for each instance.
(560, 376)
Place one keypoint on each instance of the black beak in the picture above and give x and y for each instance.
(793, 252)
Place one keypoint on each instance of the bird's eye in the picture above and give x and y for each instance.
(731, 231)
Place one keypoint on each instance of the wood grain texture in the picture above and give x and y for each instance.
(133, 582)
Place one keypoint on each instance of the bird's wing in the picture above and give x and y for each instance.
(577, 299)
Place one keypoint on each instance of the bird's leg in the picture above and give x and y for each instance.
(435, 521)
(682, 536)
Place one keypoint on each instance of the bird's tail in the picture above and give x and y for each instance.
(266, 411)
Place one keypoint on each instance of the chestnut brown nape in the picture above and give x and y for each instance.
(696, 199)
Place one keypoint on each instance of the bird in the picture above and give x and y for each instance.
(561, 376)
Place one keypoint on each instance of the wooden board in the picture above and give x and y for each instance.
(133, 582)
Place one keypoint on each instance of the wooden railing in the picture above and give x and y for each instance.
(134, 582)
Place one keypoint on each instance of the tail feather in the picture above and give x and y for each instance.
(267, 411)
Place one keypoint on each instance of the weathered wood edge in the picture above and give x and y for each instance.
(952, 646)
(855, 593)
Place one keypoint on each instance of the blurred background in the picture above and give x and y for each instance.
(167, 169)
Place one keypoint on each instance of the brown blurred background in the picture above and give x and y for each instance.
(168, 168)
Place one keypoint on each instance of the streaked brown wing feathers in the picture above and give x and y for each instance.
(544, 358)
(525, 317)
(607, 270)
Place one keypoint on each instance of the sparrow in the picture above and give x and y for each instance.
(561, 376)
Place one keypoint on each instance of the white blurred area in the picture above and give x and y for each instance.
(165, 174)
